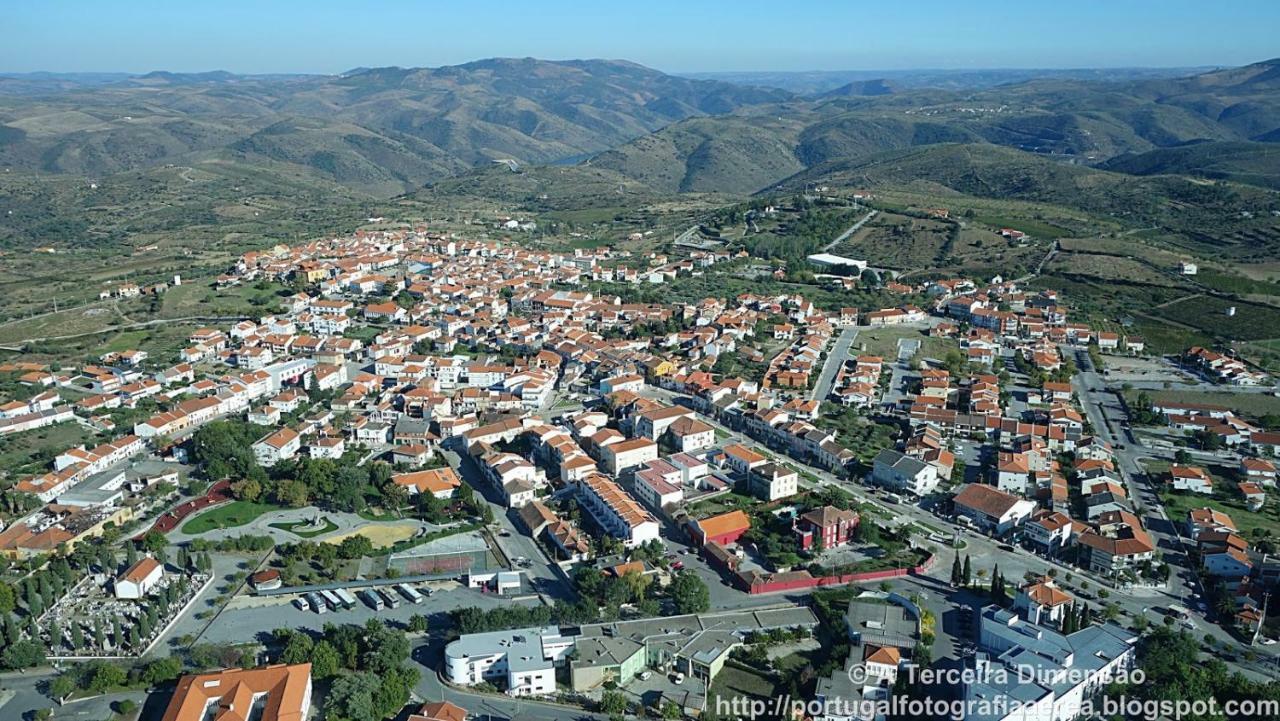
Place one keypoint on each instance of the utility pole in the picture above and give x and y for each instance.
(1261, 619)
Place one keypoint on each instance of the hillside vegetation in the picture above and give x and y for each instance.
(381, 131)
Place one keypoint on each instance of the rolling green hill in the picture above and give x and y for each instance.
(1238, 161)
(1091, 122)
(382, 131)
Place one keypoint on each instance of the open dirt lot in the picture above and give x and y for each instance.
(382, 534)
(1126, 369)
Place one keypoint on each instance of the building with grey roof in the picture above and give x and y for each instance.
(522, 661)
(901, 472)
(695, 645)
(1028, 671)
(883, 620)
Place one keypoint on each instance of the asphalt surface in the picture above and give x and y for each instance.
(839, 353)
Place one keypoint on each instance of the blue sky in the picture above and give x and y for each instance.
(708, 35)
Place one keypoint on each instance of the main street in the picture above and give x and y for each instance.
(1109, 421)
(835, 359)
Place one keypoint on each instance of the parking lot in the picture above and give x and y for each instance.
(244, 620)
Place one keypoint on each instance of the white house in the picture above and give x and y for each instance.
(901, 472)
(278, 446)
(138, 581)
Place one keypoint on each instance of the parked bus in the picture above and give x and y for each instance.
(410, 595)
(390, 597)
(372, 599)
(348, 600)
(316, 603)
(332, 600)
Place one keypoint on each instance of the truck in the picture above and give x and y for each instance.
(410, 595)
(372, 599)
(390, 597)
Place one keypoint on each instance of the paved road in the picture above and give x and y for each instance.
(262, 526)
(21, 696)
(836, 358)
(539, 577)
(849, 231)
(1106, 415)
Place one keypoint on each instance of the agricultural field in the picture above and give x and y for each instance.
(1209, 314)
(32, 451)
(1032, 227)
(1252, 405)
(204, 299)
(901, 242)
(1111, 269)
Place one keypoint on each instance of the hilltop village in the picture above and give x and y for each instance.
(616, 499)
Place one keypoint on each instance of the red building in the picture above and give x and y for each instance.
(724, 529)
(834, 526)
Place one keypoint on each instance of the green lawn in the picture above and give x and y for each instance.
(294, 526)
(734, 682)
(229, 515)
(1252, 525)
(883, 342)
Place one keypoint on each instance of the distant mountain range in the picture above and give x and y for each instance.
(818, 82)
(381, 130)
(387, 131)
(1085, 122)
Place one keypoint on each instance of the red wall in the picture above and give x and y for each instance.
(726, 539)
(776, 587)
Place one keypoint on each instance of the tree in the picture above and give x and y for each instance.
(957, 573)
(395, 497)
(689, 594)
(324, 660)
(23, 654)
(613, 702)
(61, 687)
(292, 493)
(997, 586)
(154, 543)
(352, 698)
(297, 649)
(8, 599)
(967, 573)
(247, 489)
(162, 670)
(418, 623)
(355, 547)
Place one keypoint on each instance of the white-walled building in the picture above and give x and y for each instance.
(522, 661)
(138, 581)
(901, 472)
(616, 511)
(278, 446)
